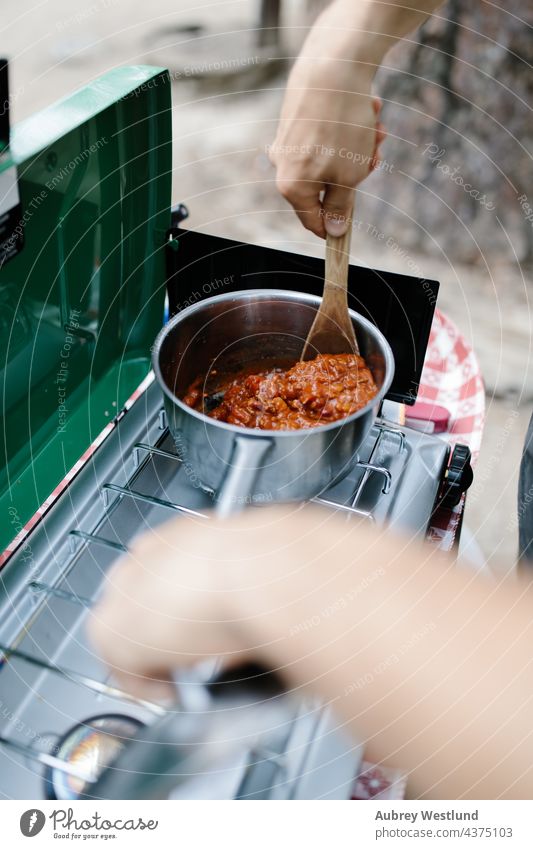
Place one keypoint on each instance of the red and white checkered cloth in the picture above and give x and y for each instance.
(451, 378)
(379, 783)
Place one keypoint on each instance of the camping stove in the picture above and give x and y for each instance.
(81, 302)
(52, 682)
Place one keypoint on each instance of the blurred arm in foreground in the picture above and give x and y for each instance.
(431, 666)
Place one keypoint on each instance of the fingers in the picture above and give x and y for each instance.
(381, 134)
(132, 668)
(351, 153)
(304, 197)
(161, 611)
(376, 158)
(152, 685)
(337, 209)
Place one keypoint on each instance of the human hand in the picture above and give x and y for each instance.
(162, 608)
(327, 142)
(363, 619)
(192, 590)
(231, 589)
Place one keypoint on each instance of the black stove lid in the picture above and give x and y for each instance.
(401, 306)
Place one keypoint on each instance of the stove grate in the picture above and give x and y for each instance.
(143, 453)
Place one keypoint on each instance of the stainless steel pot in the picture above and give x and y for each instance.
(242, 465)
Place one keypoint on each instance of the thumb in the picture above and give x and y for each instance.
(337, 210)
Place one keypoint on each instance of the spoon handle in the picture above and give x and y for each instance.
(337, 262)
(335, 298)
(332, 329)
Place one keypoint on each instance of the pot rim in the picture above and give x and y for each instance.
(265, 294)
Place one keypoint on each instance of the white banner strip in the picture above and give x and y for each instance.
(270, 825)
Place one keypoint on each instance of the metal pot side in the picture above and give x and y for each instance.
(272, 466)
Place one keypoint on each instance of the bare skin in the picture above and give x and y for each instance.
(329, 131)
(432, 667)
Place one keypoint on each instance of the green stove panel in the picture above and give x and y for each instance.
(83, 300)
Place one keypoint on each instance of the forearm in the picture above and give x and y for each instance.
(431, 667)
(329, 109)
(364, 30)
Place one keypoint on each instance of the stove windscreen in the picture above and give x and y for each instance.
(401, 306)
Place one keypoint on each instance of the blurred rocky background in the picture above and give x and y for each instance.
(464, 87)
(455, 192)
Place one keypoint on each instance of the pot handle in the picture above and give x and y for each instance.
(190, 684)
(242, 473)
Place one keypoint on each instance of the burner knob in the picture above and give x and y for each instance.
(178, 214)
(458, 476)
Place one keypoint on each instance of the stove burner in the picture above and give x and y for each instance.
(92, 746)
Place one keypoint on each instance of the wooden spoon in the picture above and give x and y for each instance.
(332, 330)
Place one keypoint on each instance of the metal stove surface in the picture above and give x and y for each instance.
(51, 679)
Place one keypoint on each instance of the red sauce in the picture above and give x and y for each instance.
(308, 394)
